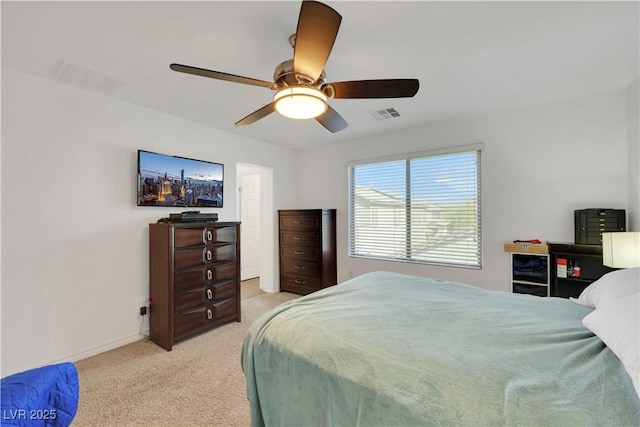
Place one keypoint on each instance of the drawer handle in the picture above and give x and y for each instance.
(298, 238)
(209, 274)
(301, 282)
(297, 222)
(299, 267)
(209, 236)
(298, 253)
(209, 255)
(209, 294)
(209, 314)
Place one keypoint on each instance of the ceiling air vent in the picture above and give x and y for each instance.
(384, 114)
(82, 77)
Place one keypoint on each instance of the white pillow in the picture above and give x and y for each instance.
(618, 325)
(610, 287)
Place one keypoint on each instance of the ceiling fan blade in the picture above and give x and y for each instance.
(332, 120)
(318, 26)
(219, 75)
(389, 88)
(257, 115)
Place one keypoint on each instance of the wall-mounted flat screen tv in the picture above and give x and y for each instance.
(173, 181)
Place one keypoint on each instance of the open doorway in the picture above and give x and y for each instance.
(251, 218)
(255, 208)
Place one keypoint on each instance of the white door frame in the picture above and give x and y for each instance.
(268, 280)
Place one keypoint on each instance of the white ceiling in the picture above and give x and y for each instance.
(470, 57)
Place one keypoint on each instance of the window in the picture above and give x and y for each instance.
(425, 208)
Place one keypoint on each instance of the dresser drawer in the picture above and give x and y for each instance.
(223, 234)
(299, 284)
(185, 237)
(302, 238)
(188, 321)
(192, 277)
(299, 223)
(303, 268)
(192, 257)
(300, 252)
(197, 236)
(604, 222)
(194, 297)
(225, 289)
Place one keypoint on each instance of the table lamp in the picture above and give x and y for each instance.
(621, 249)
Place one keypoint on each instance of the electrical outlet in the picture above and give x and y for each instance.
(144, 306)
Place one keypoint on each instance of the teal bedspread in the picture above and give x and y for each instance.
(387, 349)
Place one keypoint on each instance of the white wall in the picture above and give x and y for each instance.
(75, 247)
(74, 244)
(538, 166)
(633, 95)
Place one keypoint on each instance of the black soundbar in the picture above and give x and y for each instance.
(193, 216)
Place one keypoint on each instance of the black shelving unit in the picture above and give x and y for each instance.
(589, 260)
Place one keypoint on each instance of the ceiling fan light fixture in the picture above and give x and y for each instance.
(300, 102)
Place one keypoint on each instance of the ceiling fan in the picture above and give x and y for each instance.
(301, 90)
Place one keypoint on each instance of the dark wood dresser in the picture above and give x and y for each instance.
(194, 278)
(307, 250)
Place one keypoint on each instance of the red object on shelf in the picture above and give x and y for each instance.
(576, 271)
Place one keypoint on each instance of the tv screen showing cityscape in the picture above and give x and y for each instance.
(171, 181)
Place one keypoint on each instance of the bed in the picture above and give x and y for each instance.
(389, 349)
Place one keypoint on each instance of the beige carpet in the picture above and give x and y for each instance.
(199, 383)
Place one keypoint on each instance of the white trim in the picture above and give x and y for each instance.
(479, 146)
(384, 247)
(102, 348)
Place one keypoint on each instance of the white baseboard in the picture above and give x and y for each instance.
(102, 348)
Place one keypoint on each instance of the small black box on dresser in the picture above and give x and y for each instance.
(591, 223)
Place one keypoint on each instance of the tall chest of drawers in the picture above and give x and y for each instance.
(194, 272)
(307, 249)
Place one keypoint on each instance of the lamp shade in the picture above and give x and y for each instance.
(621, 250)
(300, 102)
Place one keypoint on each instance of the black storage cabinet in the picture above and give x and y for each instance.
(588, 257)
(591, 223)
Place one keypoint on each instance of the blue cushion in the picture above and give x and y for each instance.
(46, 396)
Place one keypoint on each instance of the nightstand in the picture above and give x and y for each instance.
(529, 268)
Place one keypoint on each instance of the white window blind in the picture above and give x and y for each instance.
(422, 209)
